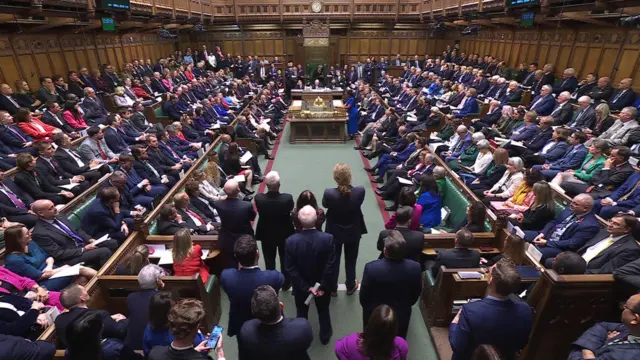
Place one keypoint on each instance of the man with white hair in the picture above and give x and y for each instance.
(619, 132)
(585, 117)
(544, 103)
(464, 141)
(563, 112)
(568, 82)
(623, 97)
(138, 303)
(310, 256)
(274, 223)
(512, 94)
(235, 218)
(468, 156)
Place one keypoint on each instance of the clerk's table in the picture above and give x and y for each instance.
(317, 121)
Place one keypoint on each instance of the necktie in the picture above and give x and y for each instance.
(194, 215)
(618, 96)
(556, 109)
(596, 249)
(14, 199)
(102, 153)
(77, 239)
(152, 169)
(560, 228)
(13, 101)
(528, 77)
(17, 133)
(536, 103)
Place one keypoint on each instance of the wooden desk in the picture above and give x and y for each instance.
(310, 95)
(395, 71)
(318, 130)
(432, 251)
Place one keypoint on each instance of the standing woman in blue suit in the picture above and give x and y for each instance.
(352, 110)
(345, 222)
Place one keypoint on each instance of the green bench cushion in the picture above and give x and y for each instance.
(159, 112)
(456, 202)
(76, 214)
(429, 280)
(559, 207)
(153, 228)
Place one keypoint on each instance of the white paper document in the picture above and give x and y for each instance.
(534, 252)
(518, 143)
(246, 157)
(239, 178)
(52, 314)
(167, 257)
(404, 181)
(101, 240)
(181, 174)
(200, 152)
(70, 271)
(69, 186)
(157, 249)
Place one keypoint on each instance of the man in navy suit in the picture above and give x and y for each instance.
(138, 303)
(585, 115)
(272, 336)
(104, 217)
(239, 284)
(14, 347)
(235, 217)
(625, 198)
(15, 203)
(94, 110)
(572, 159)
(497, 320)
(469, 104)
(567, 83)
(143, 190)
(13, 137)
(623, 97)
(606, 340)
(393, 280)
(310, 256)
(569, 231)
(544, 103)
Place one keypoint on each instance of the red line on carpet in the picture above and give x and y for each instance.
(381, 204)
(274, 152)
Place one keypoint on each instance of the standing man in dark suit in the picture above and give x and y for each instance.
(459, 257)
(74, 298)
(235, 217)
(607, 340)
(345, 222)
(138, 303)
(274, 223)
(65, 243)
(495, 320)
(613, 247)
(240, 284)
(310, 256)
(15, 203)
(414, 239)
(271, 336)
(393, 280)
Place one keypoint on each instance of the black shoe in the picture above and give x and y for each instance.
(369, 170)
(353, 289)
(286, 286)
(379, 192)
(381, 188)
(326, 338)
(268, 157)
(391, 208)
(248, 191)
(358, 148)
(378, 180)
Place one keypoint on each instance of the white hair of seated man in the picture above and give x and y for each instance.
(149, 277)
(272, 179)
(308, 216)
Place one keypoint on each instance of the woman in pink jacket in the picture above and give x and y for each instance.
(73, 116)
(11, 283)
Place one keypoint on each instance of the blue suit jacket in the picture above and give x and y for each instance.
(596, 340)
(99, 220)
(462, 145)
(115, 141)
(11, 139)
(178, 143)
(138, 306)
(470, 107)
(525, 133)
(310, 256)
(166, 151)
(576, 235)
(544, 107)
(572, 159)
(288, 339)
(504, 324)
(555, 152)
(633, 200)
(239, 286)
(14, 347)
(404, 155)
(626, 99)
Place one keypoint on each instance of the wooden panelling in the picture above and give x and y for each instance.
(614, 53)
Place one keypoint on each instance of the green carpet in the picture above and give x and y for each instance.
(309, 167)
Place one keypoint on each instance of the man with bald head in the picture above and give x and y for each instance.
(65, 243)
(576, 225)
(606, 340)
(602, 91)
(310, 256)
(7, 102)
(568, 82)
(235, 217)
(623, 97)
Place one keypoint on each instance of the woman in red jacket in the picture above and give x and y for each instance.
(187, 258)
(32, 126)
(72, 115)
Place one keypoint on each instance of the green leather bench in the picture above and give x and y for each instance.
(76, 214)
(457, 203)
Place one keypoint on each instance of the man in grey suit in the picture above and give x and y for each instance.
(585, 117)
(95, 148)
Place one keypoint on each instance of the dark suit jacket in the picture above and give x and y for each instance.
(615, 256)
(13, 347)
(202, 207)
(538, 141)
(202, 229)
(587, 120)
(596, 339)
(56, 121)
(138, 306)
(457, 258)
(544, 105)
(414, 239)
(99, 220)
(576, 235)
(166, 227)
(310, 256)
(504, 324)
(345, 220)
(7, 105)
(53, 173)
(6, 205)
(236, 216)
(68, 164)
(611, 178)
(395, 283)
(239, 286)
(288, 339)
(274, 222)
(37, 186)
(13, 140)
(623, 101)
(564, 115)
(145, 173)
(57, 243)
(110, 329)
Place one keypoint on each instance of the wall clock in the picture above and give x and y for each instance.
(316, 6)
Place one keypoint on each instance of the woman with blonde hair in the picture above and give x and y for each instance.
(540, 212)
(121, 99)
(24, 96)
(134, 262)
(604, 120)
(187, 257)
(345, 222)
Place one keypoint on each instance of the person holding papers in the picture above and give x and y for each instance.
(187, 257)
(233, 166)
(26, 258)
(104, 217)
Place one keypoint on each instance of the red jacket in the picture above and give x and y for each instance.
(34, 131)
(73, 121)
(192, 264)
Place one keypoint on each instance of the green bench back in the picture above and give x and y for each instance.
(159, 112)
(76, 214)
(560, 206)
(457, 204)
